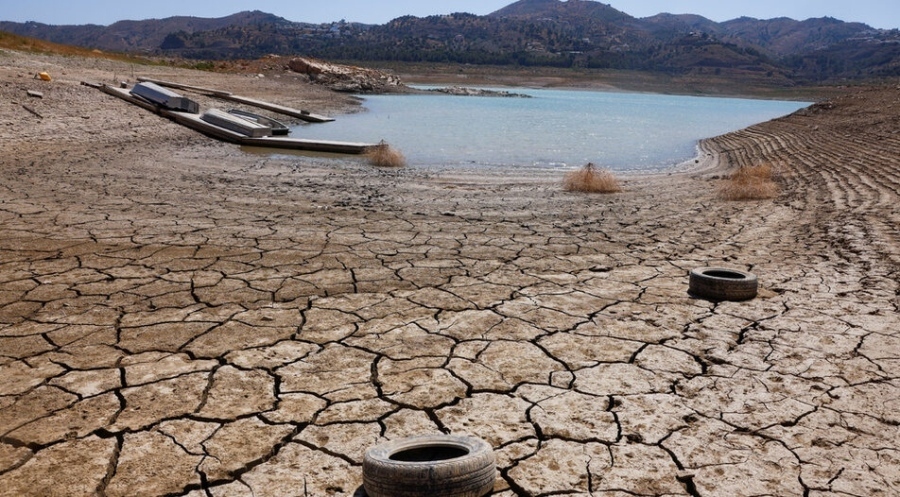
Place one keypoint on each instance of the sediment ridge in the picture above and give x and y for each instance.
(841, 155)
(182, 317)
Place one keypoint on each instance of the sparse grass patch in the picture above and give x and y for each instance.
(204, 66)
(750, 183)
(590, 179)
(18, 43)
(383, 155)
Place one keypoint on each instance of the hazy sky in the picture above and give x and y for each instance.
(877, 13)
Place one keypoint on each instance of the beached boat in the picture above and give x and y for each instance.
(235, 123)
(303, 115)
(164, 97)
(278, 127)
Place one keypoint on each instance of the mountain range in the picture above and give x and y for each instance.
(573, 33)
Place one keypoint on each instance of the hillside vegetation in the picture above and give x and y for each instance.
(529, 33)
(11, 41)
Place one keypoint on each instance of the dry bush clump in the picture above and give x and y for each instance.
(590, 179)
(383, 155)
(750, 183)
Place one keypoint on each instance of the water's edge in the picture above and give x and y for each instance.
(555, 130)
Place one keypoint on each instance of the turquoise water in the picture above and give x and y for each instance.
(555, 129)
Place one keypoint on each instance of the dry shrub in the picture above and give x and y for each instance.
(383, 155)
(590, 179)
(750, 183)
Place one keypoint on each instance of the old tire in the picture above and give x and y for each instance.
(430, 465)
(719, 284)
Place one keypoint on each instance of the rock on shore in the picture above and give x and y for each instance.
(353, 79)
(478, 92)
(350, 79)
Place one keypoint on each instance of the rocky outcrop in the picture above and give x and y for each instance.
(478, 92)
(343, 78)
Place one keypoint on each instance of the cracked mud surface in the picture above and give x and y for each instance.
(181, 317)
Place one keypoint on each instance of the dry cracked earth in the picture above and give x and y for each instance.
(180, 317)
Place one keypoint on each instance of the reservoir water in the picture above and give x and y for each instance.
(554, 129)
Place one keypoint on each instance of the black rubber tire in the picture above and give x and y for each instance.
(463, 467)
(720, 284)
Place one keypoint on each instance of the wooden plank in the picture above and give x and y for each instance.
(280, 109)
(29, 109)
(335, 147)
(179, 86)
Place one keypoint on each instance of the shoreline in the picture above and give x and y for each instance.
(683, 165)
(817, 94)
(602, 80)
(179, 316)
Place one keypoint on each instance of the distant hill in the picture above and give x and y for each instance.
(137, 36)
(575, 33)
(785, 36)
(578, 11)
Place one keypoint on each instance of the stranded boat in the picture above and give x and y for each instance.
(237, 124)
(163, 97)
(278, 127)
(244, 132)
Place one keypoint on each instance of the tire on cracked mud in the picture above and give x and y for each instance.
(430, 465)
(719, 284)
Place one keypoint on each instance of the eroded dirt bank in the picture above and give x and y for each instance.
(181, 317)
